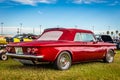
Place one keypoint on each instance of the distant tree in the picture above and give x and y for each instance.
(117, 31)
(108, 32)
(119, 34)
(112, 33)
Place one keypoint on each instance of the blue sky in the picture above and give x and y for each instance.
(65, 13)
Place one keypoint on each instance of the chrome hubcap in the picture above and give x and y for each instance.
(4, 57)
(65, 61)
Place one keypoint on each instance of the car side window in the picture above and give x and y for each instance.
(87, 37)
(77, 37)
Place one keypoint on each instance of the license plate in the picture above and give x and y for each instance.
(18, 50)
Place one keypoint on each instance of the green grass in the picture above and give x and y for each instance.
(12, 70)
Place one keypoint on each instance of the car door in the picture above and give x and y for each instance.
(89, 49)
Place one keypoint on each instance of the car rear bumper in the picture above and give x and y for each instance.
(24, 56)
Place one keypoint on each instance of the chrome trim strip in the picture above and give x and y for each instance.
(24, 56)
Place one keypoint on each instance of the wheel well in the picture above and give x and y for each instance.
(66, 51)
(113, 51)
(69, 53)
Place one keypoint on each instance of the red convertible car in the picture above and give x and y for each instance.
(62, 47)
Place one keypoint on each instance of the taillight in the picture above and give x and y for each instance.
(32, 50)
(29, 50)
(8, 49)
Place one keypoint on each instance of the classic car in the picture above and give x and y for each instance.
(3, 43)
(22, 37)
(3, 51)
(3, 40)
(17, 38)
(62, 47)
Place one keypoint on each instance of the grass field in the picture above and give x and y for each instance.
(12, 70)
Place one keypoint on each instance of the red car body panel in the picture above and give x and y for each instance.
(79, 50)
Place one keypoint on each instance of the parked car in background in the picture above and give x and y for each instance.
(104, 38)
(3, 51)
(17, 38)
(3, 43)
(107, 38)
(117, 41)
(22, 37)
(62, 47)
(3, 40)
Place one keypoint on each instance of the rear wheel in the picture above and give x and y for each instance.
(109, 57)
(63, 61)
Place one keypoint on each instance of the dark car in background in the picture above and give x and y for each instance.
(104, 38)
(107, 38)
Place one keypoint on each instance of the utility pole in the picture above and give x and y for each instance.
(17, 30)
(21, 28)
(93, 28)
(33, 30)
(2, 28)
(40, 28)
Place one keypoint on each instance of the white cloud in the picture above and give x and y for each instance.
(115, 3)
(88, 1)
(30, 2)
(46, 1)
(34, 2)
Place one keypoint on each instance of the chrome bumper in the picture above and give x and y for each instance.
(24, 56)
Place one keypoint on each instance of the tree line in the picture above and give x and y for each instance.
(113, 32)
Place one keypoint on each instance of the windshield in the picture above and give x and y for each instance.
(51, 35)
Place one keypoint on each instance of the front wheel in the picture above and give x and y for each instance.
(63, 61)
(109, 57)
